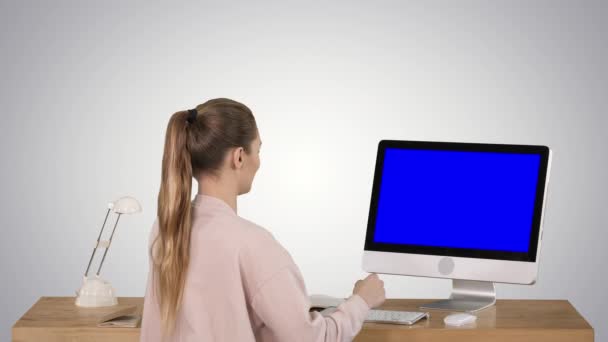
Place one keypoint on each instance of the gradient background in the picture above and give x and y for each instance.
(87, 90)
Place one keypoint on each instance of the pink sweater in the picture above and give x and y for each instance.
(242, 285)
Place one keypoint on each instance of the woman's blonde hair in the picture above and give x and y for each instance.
(192, 147)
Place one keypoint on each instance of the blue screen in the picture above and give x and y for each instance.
(457, 199)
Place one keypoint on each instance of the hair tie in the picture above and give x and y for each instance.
(192, 115)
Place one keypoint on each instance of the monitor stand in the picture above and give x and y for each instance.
(467, 295)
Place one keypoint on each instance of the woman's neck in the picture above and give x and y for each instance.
(218, 189)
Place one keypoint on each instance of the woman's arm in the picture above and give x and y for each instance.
(283, 305)
(150, 322)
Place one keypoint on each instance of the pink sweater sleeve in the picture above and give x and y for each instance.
(150, 324)
(283, 305)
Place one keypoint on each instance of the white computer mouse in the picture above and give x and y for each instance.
(459, 319)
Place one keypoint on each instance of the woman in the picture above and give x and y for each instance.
(215, 276)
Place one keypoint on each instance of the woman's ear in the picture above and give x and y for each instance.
(237, 157)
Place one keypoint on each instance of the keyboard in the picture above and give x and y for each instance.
(395, 317)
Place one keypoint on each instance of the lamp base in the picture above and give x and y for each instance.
(95, 292)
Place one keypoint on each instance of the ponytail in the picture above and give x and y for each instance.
(174, 221)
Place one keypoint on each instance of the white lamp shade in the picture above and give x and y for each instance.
(126, 205)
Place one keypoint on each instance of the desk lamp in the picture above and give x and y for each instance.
(96, 292)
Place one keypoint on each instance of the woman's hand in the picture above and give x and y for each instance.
(371, 289)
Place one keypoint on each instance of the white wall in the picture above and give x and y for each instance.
(87, 89)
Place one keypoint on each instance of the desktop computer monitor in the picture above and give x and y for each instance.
(469, 212)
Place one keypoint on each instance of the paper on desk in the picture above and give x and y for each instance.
(123, 317)
(127, 321)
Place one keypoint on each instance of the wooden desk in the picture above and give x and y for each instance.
(508, 320)
(58, 319)
(54, 319)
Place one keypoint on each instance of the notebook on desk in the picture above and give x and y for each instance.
(121, 318)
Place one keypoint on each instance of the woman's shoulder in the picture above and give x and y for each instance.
(251, 227)
(259, 240)
(255, 235)
(246, 235)
(260, 254)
